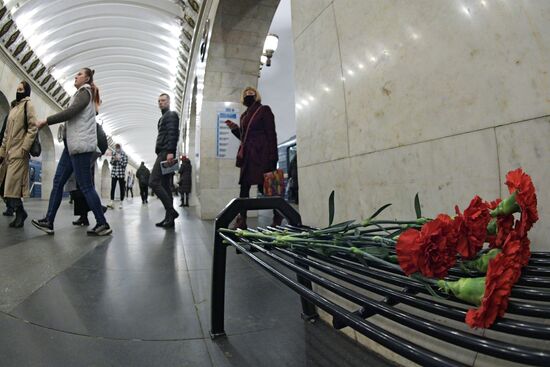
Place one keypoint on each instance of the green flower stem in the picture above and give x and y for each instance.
(358, 251)
(506, 207)
(419, 221)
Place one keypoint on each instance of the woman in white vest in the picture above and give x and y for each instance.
(80, 143)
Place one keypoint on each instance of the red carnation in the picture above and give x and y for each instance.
(471, 227)
(502, 274)
(504, 225)
(520, 184)
(517, 248)
(430, 251)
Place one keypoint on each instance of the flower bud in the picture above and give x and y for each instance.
(470, 290)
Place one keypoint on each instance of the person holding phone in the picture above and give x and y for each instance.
(257, 152)
(165, 148)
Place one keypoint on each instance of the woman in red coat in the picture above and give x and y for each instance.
(258, 150)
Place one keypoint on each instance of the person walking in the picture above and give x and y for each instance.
(184, 183)
(80, 143)
(81, 207)
(165, 148)
(257, 152)
(9, 210)
(119, 161)
(130, 184)
(18, 138)
(143, 174)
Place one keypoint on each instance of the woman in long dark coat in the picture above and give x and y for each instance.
(184, 183)
(258, 150)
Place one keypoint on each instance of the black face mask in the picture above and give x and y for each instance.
(19, 96)
(249, 100)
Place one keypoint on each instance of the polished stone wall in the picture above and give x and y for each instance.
(437, 97)
(237, 31)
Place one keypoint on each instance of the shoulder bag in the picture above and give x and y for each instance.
(36, 147)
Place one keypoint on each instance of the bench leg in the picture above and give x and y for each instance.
(309, 312)
(217, 307)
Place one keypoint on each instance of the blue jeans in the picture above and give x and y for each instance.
(80, 164)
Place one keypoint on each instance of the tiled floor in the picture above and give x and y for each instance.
(141, 298)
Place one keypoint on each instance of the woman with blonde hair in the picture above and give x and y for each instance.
(80, 144)
(14, 153)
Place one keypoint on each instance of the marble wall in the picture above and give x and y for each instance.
(437, 97)
(442, 98)
(237, 32)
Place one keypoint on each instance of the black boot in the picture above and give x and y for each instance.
(8, 212)
(20, 217)
(168, 222)
(82, 221)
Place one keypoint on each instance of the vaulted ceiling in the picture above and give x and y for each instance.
(138, 49)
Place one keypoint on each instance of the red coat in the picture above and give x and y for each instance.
(260, 146)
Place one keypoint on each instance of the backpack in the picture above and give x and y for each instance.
(102, 142)
(36, 147)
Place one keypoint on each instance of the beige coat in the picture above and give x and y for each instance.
(14, 171)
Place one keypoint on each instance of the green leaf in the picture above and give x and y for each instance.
(417, 206)
(331, 208)
(380, 210)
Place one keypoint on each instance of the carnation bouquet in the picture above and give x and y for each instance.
(486, 238)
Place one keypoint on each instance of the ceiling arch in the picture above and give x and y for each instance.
(134, 46)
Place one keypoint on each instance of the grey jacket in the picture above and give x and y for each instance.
(80, 125)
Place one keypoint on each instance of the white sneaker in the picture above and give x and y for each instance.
(110, 205)
(120, 205)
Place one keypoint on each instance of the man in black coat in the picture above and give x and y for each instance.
(143, 174)
(167, 141)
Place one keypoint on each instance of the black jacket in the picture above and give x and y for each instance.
(143, 174)
(168, 126)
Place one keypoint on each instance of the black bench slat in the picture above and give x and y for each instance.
(338, 271)
(393, 342)
(523, 328)
(511, 352)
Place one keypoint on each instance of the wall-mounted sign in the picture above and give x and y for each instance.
(226, 143)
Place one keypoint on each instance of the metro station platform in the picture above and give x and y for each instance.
(141, 298)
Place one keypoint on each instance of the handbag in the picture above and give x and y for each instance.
(102, 142)
(274, 183)
(36, 147)
(240, 152)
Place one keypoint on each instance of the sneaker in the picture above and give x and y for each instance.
(120, 206)
(43, 225)
(100, 230)
(110, 205)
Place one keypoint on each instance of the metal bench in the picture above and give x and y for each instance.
(528, 313)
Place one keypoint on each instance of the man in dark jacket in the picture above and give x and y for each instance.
(167, 141)
(143, 175)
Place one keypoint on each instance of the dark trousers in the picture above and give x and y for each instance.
(161, 183)
(143, 191)
(131, 190)
(184, 198)
(80, 165)
(245, 193)
(121, 184)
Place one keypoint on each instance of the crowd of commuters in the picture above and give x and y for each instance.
(84, 142)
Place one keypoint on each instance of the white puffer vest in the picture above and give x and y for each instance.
(81, 130)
